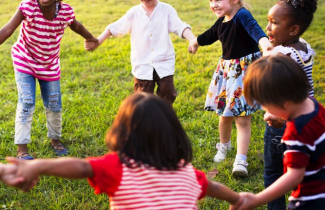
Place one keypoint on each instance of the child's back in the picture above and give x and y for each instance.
(145, 187)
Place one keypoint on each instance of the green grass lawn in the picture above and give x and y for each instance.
(94, 83)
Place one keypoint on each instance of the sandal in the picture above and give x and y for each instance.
(25, 156)
(60, 149)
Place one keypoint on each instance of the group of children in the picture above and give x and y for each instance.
(150, 153)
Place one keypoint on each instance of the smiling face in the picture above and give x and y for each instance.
(221, 7)
(278, 28)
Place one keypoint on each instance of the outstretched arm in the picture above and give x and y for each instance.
(77, 27)
(193, 46)
(7, 30)
(72, 168)
(284, 184)
(219, 191)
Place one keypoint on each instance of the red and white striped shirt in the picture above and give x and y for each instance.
(141, 187)
(37, 51)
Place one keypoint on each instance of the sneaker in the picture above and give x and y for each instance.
(240, 168)
(222, 152)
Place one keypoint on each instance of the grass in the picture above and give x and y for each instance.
(94, 83)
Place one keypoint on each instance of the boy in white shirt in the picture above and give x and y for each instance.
(152, 52)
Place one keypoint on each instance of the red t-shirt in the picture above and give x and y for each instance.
(143, 187)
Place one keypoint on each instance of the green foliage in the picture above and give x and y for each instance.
(94, 83)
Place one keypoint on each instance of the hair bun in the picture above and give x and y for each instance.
(309, 6)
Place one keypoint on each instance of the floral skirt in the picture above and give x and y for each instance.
(225, 94)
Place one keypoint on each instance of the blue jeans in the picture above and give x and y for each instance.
(51, 95)
(273, 163)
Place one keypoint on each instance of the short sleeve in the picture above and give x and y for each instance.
(27, 7)
(66, 15)
(107, 173)
(203, 182)
(296, 159)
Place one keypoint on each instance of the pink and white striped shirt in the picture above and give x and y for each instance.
(37, 51)
(146, 188)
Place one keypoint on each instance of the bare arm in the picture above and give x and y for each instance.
(72, 168)
(219, 191)
(284, 184)
(187, 34)
(7, 30)
(91, 46)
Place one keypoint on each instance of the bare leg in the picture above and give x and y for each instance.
(225, 126)
(243, 125)
(21, 149)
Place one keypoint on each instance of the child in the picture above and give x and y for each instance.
(280, 85)
(149, 162)
(239, 34)
(152, 52)
(8, 174)
(36, 56)
(287, 21)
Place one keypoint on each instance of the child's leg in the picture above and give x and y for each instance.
(225, 126)
(147, 86)
(273, 165)
(51, 95)
(26, 87)
(166, 89)
(243, 124)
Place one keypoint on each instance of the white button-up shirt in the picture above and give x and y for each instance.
(151, 46)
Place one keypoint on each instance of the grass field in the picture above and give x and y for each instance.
(94, 83)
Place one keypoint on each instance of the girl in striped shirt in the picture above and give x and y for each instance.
(148, 166)
(36, 55)
(287, 21)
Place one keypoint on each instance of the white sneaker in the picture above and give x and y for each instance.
(222, 152)
(240, 168)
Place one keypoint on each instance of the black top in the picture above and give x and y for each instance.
(239, 36)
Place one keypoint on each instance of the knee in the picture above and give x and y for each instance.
(54, 103)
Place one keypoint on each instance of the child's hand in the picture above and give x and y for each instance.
(273, 120)
(8, 174)
(268, 51)
(91, 44)
(193, 46)
(26, 169)
(239, 202)
(249, 201)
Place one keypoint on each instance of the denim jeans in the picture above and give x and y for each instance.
(51, 95)
(273, 162)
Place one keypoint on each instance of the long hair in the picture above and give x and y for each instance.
(147, 130)
(274, 80)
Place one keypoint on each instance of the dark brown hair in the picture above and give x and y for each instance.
(300, 12)
(147, 130)
(274, 80)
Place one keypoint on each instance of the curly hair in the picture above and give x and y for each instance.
(300, 12)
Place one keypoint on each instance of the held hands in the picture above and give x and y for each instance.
(26, 173)
(273, 120)
(193, 46)
(91, 44)
(8, 174)
(249, 202)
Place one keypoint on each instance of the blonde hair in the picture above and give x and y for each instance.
(242, 3)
